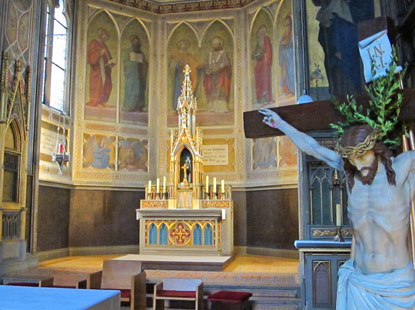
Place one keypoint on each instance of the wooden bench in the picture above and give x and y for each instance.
(178, 289)
(76, 279)
(126, 276)
(61, 278)
(28, 280)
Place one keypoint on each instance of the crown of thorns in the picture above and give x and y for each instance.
(361, 148)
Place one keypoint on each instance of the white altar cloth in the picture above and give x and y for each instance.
(44, 298)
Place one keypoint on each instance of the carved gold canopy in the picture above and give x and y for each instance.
(186, 142)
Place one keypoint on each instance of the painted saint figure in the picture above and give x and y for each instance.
(179, 58)
(101, 63)
(338, 37)
(380, 189)
(262, 69)
(217, 80)
(135, 71)
(286, 59)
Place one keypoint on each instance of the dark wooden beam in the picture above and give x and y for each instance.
(370, 27)
(315, 116)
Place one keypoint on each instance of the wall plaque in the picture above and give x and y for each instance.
(215, 154)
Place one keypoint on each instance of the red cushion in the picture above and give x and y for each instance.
(183, 294)
(22, 284)
(125, 293)
(230, 296)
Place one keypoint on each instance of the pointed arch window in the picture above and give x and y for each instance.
(55, 81)
(12, 154)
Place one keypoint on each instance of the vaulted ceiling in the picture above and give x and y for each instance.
(176, 6)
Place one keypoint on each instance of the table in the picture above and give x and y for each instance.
(43, 298)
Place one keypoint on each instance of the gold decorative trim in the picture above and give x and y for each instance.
(185, 236)
(154, 204)
(330, 232)
(216, 203)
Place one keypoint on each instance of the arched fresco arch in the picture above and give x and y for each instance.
(101, 68)
(285, 61)
(182, 49)
(262, 60)
(134, 77)
(215, 94)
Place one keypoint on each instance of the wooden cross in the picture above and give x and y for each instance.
(315, 116)
(318, 115)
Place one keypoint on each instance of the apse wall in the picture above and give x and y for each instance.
(119, 133)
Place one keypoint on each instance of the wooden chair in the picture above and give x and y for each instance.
(127, 277)
(178, 289)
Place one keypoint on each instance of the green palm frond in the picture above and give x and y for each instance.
(385, 102)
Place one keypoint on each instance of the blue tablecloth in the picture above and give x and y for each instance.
(44, 298)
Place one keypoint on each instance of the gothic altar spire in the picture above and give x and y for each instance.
(187, 104)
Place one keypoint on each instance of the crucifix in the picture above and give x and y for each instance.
(372, 179)
(318, 115)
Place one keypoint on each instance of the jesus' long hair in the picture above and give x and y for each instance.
(355, 135)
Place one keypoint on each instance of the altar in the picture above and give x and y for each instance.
(186, 216)
(190, 232)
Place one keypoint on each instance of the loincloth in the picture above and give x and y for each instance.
(378, 291)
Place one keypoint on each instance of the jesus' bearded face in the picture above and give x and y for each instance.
(366, 166)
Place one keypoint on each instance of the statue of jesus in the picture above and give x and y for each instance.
(380, 189)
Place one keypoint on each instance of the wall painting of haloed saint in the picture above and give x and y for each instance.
(134, 74)
(182, 49)
(262, 60)
(99, 151)
(102, 68)
(133, 154)
(216, 98)
(334, 60)
(285, 81)
(212, 69)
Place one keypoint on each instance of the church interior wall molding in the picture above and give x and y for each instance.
(168, 8)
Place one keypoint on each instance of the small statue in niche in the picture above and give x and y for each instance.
(187, 170)
(186, 163)
(185, 167)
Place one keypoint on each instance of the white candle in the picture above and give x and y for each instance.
(207, 184)
(214, 185)
(158, 186)
(149, 187)
(338, 214)
(222, 186)
(164, 184)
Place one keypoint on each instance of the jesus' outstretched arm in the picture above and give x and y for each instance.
(304, 142)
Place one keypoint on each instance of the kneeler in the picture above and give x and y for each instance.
(230, 300)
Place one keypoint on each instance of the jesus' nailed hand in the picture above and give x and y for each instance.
(271, 118)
